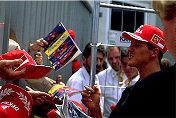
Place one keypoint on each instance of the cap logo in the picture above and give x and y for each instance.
(5, 92)
(25, 60)
(22, 97)
(4, 106)
(158, 41)
(11, 105)
(26, 103)
(139, 31)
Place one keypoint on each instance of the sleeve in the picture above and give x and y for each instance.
(101, 97)
(76, 84)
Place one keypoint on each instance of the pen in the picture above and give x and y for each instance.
(90, 89)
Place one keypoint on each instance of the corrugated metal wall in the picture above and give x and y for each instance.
(2, 19)
(31, 20)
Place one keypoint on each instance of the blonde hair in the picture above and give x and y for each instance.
(165, 63)
(165, 9)
(13, 45)
(13, 41)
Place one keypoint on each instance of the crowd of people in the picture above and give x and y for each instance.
(138, 82)
(146, 97)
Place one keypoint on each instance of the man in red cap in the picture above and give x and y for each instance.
(144, 99)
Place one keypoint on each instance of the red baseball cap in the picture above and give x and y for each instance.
(75, 66)
(147, 33)
(16, 102)
(72, 34)
(33, 71)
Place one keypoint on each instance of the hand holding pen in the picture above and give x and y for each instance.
(89, 89)
(91, 99)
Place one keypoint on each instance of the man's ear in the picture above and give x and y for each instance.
(155, 52)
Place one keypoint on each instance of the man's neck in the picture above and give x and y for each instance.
(133, 76)
(146, 70)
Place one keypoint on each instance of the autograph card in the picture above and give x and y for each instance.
(25, 60)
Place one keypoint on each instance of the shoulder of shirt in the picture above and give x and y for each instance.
(159, 77)
(76, 75)
(104, 72)
(164, 73)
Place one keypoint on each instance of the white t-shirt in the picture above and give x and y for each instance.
(109, 84)
(77, 81)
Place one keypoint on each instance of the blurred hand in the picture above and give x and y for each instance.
(6, 71)
(61, 83)
(89, 99)
(38, 57)
(38, 45)
(50, 80)
(39, 97)
(92, 101)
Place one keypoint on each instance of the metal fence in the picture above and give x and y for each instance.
(31, 20)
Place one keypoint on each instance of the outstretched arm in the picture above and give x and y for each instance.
(40, 97)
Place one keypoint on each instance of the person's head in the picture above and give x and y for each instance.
(113, 54)
(166, 10)
(38, 57)
(165, 63)
(87, 57)
(147, 45)
(58, 79)
(13, 41)
(13, 45)
(130, 72)
(105, 65)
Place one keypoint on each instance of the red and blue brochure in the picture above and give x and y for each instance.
(61, 48)
(58, 91)
(66, 107)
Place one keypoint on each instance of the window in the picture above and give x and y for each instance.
(125, 20)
